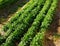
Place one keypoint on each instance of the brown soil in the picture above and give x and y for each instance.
(54, 30)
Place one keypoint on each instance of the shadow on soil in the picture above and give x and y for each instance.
(11, 9)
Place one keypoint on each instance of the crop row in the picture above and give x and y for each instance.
(19, 20)
(38, 40)
(17, 15)
(24, 25)
(33, 29)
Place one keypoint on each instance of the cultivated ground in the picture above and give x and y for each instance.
(52, 36)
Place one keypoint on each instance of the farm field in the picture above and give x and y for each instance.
(30, 23)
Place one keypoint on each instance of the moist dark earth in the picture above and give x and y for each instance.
(52, 36)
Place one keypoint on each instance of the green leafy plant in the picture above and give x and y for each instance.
(32, 30)
(39, 38)
(25, 25)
